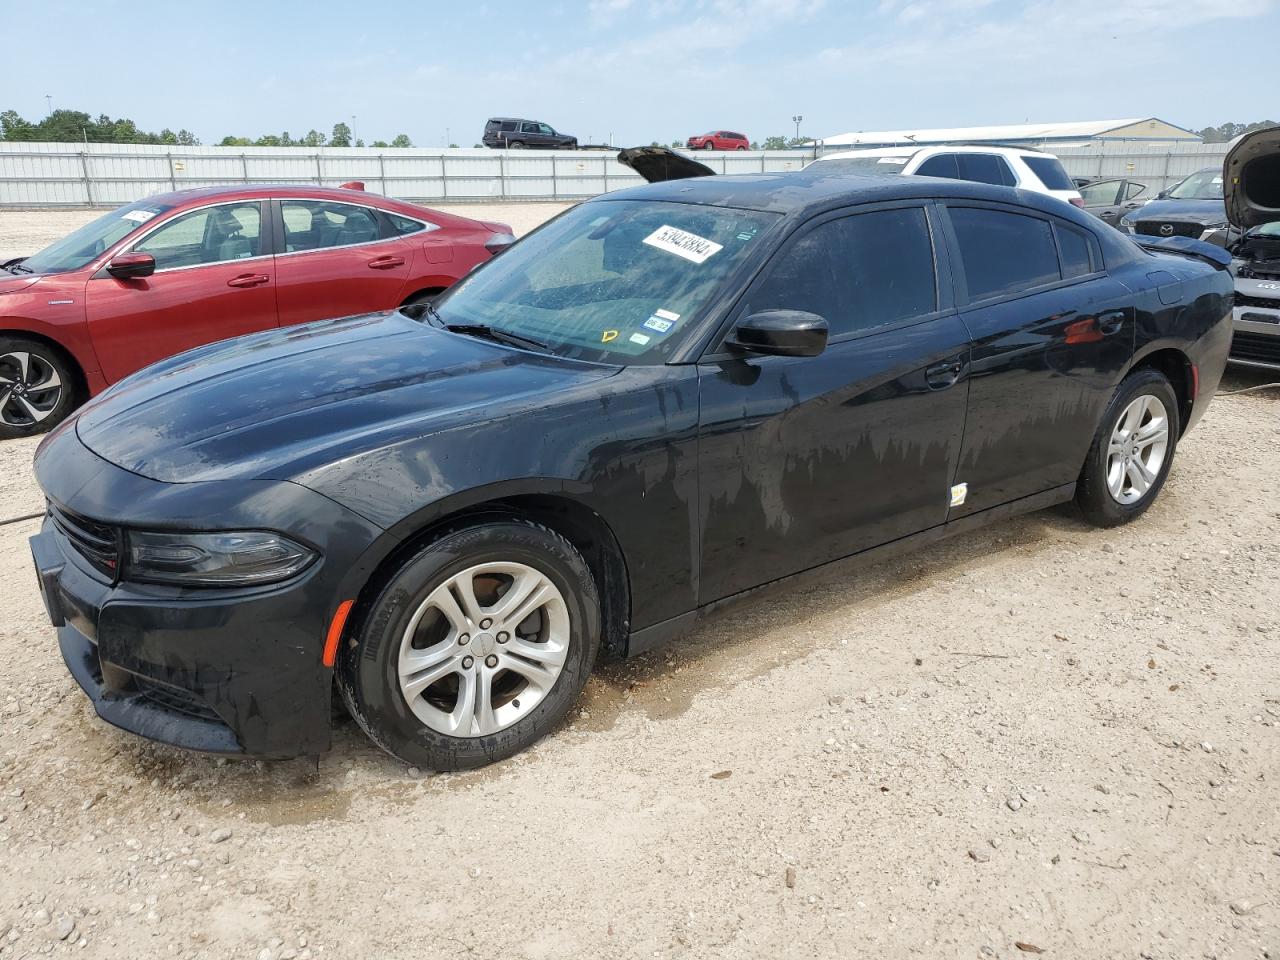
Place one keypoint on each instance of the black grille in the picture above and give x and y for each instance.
(1258, 347)
(1155, 228)
(96, 542)
(173, 699)
(1244, 301)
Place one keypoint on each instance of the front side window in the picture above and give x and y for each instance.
(616, 281)
(543, 128)
(1100, 194)
(1003, 253)
(318, 224)
(940, 165)
(1202, 185)
(857, 273)
(80, 247)
(229, 231)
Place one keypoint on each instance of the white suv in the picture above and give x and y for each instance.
(1020, 167)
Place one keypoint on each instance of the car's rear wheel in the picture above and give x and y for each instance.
(38, 387)
(516, 144)
(475, 648)
(1132, 451)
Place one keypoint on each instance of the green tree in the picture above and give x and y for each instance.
(402, 140)
(677, 144)
(341, 135)
(754, 145)
(359, 143)
(380, 143)
(314, 138)
(796, 142)
(235, 142)
(775, 143)
(13, 127)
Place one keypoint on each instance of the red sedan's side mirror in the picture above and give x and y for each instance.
(132, 266)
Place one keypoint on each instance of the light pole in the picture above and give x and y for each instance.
(446, 137)
(353, 129)
(797, 120)
(48, 98)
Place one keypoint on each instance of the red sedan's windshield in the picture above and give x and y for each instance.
(79, 248)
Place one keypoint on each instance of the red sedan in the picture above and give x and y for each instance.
(179, 270)
(719, 140)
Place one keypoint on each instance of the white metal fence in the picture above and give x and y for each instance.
(104, 174)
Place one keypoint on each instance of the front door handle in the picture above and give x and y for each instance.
(248, 280)
(388, 262)
(945, 373)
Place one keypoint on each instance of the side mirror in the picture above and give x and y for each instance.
(781, 333)
(132, 266)
(1162, 195)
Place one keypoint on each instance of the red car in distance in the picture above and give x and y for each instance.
(179, 270)
(719, 140)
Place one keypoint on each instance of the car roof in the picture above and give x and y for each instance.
(262, 191)
(813, 189)
(911, 151)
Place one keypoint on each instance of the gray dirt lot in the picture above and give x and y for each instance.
(1042, 733)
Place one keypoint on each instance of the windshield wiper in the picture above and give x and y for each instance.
(15, 267)
(496, 334)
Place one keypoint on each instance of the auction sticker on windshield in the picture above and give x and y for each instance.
(692, 247)
(138, 216)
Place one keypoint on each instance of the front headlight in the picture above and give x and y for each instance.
(228, 559)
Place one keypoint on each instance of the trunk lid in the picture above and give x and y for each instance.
(657, 164)
(1251, 179)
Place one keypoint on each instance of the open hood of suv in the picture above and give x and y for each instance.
(656, 164)
(1251, 179)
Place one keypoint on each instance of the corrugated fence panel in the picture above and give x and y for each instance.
(106, 174)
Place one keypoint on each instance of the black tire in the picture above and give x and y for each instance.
(1093, 494)
(516, 145)
(367, 668)
(708, 145)
(42, 363)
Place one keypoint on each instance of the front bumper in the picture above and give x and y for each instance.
(231, 671)
(1256, 320)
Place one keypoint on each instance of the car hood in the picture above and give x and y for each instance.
(1199, 211)
(11, 284)
(1251, 179)
(656, 164)
(275, 405)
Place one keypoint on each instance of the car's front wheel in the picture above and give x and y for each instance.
(708, 145)
(38, 387)
(1132, 450)
(475, 648)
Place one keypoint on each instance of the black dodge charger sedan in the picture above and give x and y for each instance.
(665, 397)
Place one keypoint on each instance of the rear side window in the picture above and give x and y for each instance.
(1050, 172)
(1076, 250)
(317, 224)
(1003, 253)
(985, 168)
(940, 165)
(858, 272)
(403, 225)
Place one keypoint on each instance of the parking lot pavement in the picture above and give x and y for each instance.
(1042, 733)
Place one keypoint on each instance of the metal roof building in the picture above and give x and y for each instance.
(1079, 133)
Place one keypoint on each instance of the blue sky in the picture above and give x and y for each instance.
(641, 69)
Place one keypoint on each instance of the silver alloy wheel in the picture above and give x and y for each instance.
(30, 388)
(483, 649)
(1139, 444)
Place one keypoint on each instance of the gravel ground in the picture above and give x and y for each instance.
(1042, 737)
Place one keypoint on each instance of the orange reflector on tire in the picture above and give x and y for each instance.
(335, 632)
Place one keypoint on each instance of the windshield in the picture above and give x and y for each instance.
(867, 165)
(77, 249)
(611, 280)
(1201, 185)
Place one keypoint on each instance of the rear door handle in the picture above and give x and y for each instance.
(1111, 322)
(386, 263)
(945, 373)
(248, 280)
